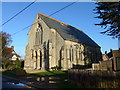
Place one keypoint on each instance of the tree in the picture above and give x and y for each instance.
(109, 12)
(6, 40)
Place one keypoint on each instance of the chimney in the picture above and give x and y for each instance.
(12, 47)
(105, 52)
(110, 50)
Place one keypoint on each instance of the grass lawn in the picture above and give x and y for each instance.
(14, 73)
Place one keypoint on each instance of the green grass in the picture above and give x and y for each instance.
(50, 73)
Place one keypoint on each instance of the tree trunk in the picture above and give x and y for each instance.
(4, 66)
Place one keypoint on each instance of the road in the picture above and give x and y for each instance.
(11, 83)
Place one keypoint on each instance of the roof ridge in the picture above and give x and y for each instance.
(68, 30)
(75, 28)
(58, 21)
(52, 18)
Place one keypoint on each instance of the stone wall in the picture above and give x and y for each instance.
(55, 51)
(50, 47)
(106, 65)
(103, 65)
(78, 54)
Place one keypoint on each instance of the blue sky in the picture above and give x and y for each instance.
(79, 15)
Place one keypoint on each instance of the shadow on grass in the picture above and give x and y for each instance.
(50, 73)
(45, 79)
(14, 73)
(60, 78)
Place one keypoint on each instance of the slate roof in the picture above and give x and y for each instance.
(110, 54)
(16, 55)
(68, 32)
(8, 52)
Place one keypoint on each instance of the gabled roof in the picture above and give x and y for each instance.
(7, 52)
(110, 54)
(68, 32)
(15, 55)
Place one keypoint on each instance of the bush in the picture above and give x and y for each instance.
(14, 65)
(56, 68)
(17, 72)
(18, 64)
(11, 67)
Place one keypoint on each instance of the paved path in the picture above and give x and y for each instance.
(42, 82)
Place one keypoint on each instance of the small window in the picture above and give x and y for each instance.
(39, 26)
(70, 54)
(39, 18)
(37, 30)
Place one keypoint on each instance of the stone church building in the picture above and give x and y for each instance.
(54, 43)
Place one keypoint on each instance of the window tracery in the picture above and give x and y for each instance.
(39, 35)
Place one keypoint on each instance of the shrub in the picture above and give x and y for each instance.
(17, 71)
(18, 64)
(11, 67)
(53, 68)
(14, 65)
(56, 68)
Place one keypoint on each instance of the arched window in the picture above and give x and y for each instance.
(62, 52)
(68, 54)
(72, 54)
(39, 26)
(36, 54)
(39, 34)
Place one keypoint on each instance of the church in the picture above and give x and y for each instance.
(53, 43)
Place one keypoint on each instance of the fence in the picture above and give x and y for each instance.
(94, 79)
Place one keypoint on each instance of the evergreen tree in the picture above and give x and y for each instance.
(109, 13)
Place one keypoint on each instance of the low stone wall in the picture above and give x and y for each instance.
(106, 65)
(103, 65)
(94, 79)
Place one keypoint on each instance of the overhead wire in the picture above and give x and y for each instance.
(48, 15)
(38, 20)
(18, 13)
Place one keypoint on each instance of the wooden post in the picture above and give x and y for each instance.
(116, 54)
(118, 43)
